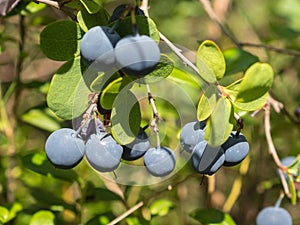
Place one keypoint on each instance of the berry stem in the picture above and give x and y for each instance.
(156, 116)
(279, 200)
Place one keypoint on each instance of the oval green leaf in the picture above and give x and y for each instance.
(125, 117)
(63, 34)
(220, 123)
(210, 61)
(42, 217)
(145, 24)
(207, 103)
(68, 93)
(87, 21)
(238, 60)
(182, 77)
(111, 91)
(257, 81)
(212, 217)
(4, 215)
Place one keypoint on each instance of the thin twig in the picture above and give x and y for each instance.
(127, 213)
(272, 149)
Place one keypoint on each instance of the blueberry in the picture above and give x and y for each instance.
(236, 148)
(191, 134)
(103, 152)
(160, 161)
(273, 216)
(207, 159)
(118, 11)
(64, 149)
(137, 148)
(137, 55)
(97, 46)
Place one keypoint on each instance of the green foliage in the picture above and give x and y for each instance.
(60, 35)
(212, 217)
(161, 207)
(42, 217)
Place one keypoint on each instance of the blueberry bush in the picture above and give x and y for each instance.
(144, 112)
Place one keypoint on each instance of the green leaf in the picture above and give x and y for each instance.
(91, 6)
(111, 91)
(292, 189)
(125, 117)
(212, 217)
(15, 209)
(145, 24)
(87, 21)
(257, 81)
(4, 215)
(207, 103)
(161, 207)
(220, 123)
(294, 169)
(39, 163)
(238, 60)
(183, 77)
(40, 119)
(163, 69)
(210, 61)
(61, 35)
(68, 93)
(42, 217)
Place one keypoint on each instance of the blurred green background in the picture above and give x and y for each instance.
(28, 183)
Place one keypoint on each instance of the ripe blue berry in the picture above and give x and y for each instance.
(118, 11)
(64, 149)
(97, 46)
(191, 134)
(103, 152)
(287, 161)
(207, 159)
(137, 148)
(160, 161)
(137, 55)
(273, 216)
(236, 149)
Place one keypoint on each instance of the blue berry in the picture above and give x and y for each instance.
(103, 152)
(118, 11)
(160, 162)
(191, 134)
(236, 148)
(207, 159)
(97, 46)
(137, 148)
(287, 161)
(64, 149)
(273, 216)
(137, 55)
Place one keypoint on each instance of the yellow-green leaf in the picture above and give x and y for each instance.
(207, 103)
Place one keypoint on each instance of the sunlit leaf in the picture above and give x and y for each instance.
(292, 189)
(42, 217)
(220, 123)
(257, 81)
(4, 215)
(210, 61)
(182, 77)
(207, 103)
(111, 91)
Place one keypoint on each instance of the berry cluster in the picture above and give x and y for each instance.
(207, 159)
(65, 148)
(135, 55)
